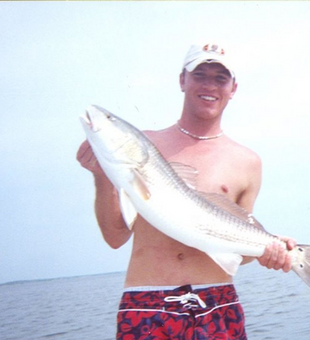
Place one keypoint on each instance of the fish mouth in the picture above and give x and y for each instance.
(93, 117)
(91, 121)
(87, 120)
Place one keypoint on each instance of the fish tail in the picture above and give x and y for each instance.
(301, 262)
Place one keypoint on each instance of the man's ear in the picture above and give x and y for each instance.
(234, 90)
(182, 80)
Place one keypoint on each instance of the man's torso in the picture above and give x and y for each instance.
(223, 167)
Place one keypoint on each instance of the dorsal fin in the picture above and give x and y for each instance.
(186, 172)
(225, 203)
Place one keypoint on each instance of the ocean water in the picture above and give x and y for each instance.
(277, 306)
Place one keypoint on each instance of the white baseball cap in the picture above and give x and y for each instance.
(210, 53)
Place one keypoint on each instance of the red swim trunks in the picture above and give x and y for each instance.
(184, 313)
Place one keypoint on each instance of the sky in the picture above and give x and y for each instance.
(57, 58)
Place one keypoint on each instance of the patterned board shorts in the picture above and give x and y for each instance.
(184, 313)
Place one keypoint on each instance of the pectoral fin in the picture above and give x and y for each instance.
(140, 186)
(229, 262)
(128, 210)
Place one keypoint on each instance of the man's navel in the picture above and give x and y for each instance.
(181, 256)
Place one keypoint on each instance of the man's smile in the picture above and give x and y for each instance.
(208, 98)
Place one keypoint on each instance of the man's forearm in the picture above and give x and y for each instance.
(108, 214)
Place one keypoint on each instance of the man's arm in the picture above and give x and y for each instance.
(108, 214)
(275, 256)
(248, 197)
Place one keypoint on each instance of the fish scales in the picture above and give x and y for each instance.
(219, 215)
(148, 185)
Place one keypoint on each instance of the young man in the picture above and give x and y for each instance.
(173, 291)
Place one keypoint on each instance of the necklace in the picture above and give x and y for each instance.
(198, 137)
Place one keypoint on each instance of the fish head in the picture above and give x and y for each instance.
(113, 139)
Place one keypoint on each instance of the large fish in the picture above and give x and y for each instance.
(150, 186)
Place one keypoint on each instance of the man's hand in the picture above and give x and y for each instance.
(87, 159)
(276, 257)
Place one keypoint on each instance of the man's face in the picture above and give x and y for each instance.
(207, 89)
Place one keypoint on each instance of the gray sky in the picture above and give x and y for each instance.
(59, 57)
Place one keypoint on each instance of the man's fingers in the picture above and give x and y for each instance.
(276, 257)
(84, 147)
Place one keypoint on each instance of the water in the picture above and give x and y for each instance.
(65, 309)
(277, 306)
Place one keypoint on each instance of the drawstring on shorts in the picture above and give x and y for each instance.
(187, 300)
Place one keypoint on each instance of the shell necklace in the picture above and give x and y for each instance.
(196, 136)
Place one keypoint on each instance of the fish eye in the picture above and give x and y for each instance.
(110, 117)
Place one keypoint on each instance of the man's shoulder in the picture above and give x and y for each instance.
(155, 135)
(243, 152)
(158, 132)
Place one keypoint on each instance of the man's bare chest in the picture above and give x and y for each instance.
(217, 172)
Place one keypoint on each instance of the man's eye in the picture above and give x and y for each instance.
(221, 79)
(199, 74)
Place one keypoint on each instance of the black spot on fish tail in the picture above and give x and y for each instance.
(301, 263)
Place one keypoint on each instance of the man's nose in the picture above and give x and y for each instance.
(210, 83)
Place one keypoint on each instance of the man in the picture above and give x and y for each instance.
(173, 291)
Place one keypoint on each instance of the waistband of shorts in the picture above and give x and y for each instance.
(179, 298)
(168, 288)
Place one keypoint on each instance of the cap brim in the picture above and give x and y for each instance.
(192, 65)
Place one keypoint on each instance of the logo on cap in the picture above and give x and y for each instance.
(214, 48)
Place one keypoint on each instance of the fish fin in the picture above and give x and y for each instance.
(301, 262)
(140, 186)
(229, 262)
(128, 210)
(233, 208)
(186, 172)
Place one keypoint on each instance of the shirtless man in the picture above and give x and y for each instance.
(180, 291)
